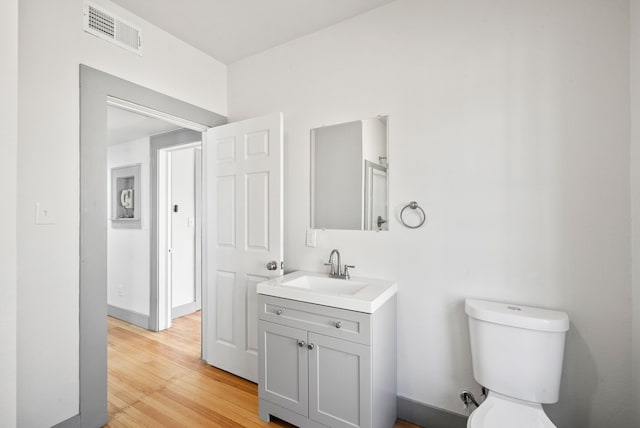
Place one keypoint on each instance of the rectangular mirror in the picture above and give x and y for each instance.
(349, 164)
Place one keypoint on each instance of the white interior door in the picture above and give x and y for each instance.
(243, 178)
(183, 228)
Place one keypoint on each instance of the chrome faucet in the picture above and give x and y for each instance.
(335, 270)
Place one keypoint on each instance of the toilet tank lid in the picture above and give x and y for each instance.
(517, 315)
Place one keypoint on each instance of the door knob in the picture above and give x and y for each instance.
(311, 346)
(301, 343)
(272, 265)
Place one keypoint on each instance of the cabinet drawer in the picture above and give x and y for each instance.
(340, 323)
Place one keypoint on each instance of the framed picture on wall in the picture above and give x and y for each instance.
(125, 197)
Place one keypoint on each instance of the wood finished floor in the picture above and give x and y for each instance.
(158, 380)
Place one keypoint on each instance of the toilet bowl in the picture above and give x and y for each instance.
(500, 411)
(517, 354)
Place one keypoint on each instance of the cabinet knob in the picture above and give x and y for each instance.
(278, 311)
(301, 343)
(338, 324)
(311, 346)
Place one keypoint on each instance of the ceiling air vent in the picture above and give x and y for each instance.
(111, 28)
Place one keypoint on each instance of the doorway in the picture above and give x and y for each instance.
(242, 223)
(182, 207)
(177, 226)
(154, 229)
(96, 88)
(132, 139)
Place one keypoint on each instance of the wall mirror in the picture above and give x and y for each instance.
(349, 165)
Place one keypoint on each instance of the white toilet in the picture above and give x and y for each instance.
(517, 355)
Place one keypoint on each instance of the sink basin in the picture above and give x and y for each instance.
(355, 294)
(325, 285)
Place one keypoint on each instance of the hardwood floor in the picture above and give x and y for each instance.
(158, 380)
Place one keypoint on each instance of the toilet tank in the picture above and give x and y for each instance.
(517, 350)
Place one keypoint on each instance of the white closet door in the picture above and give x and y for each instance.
(183, 236)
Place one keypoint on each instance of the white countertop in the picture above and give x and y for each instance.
(372, 294)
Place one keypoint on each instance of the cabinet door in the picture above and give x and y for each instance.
(283, 370)
(339, 382)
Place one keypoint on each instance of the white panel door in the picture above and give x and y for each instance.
(243, 178)
(183, 226)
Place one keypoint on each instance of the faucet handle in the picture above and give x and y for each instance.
(346, 270)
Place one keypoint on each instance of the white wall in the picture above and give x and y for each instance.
(635, 198)
(128, 253)
(8, 177)
(52, 44)
(509, 124)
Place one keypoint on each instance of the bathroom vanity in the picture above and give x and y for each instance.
(327, 351)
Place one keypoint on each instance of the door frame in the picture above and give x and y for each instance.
(370, 168)
(162, 142)
(95, 88)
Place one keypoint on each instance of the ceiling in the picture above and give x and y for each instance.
(124, 126)
(230, 30)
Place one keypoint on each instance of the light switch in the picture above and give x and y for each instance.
(44, 215)
(312, 236)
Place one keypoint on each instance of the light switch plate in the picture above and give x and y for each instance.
(44, 215)
(312, 236)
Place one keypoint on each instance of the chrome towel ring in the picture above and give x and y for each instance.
(414, 206)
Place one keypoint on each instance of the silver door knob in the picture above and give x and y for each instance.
(311, 346)
(272, 265)
(279, 312)
(338, 324)
(301, 343)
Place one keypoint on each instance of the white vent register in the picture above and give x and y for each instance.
(109, 27)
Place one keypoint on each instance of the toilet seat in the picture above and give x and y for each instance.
(500, 411)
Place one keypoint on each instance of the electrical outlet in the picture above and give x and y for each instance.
(120, 291)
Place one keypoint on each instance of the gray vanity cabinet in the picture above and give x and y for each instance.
(339, 382)
(326, 367)
(284, 375)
